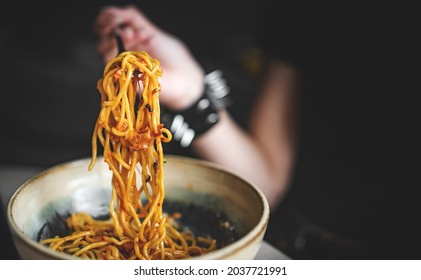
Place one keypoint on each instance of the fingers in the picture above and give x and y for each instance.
(112, 18)
(137, 19)
(107, 47)
(107, 21)
(135, 29)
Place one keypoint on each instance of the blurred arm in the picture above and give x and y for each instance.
(265, 153)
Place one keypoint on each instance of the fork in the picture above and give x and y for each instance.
(120, 44)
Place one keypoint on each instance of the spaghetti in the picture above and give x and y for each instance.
(132, 141)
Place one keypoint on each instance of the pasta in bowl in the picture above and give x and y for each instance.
(202, 199)
(118, 205)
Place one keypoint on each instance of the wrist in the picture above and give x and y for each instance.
(200, 115)
(185, 94)
(190, 96)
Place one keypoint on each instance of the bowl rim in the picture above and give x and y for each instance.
(252, 236)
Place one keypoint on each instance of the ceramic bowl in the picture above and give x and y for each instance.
(214, 200)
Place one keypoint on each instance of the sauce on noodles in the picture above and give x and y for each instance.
(130, 131)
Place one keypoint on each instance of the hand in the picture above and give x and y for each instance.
(182, 79)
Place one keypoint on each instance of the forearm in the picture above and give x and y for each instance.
(263, 154)
(228, 145)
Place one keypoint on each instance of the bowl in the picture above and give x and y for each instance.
(212, 200)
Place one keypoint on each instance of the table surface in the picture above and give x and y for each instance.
(12, 176)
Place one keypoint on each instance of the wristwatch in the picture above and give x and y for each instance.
(202, 115)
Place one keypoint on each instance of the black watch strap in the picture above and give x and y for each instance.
(197, 119)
